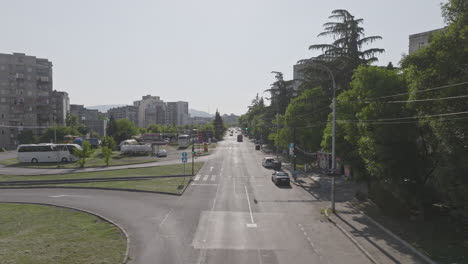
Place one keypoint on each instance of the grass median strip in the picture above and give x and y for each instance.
(166, 185)
(47, 234)
(164, 170)
(169, 185)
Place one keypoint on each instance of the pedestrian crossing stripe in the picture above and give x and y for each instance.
(206, 177)
(197, 177)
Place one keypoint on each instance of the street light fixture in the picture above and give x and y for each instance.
(316, 62)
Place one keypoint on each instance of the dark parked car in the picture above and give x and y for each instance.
(280, 177)
(94, 142)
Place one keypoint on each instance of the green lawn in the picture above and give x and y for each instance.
(169, 185)
(165, 170)
(96, 160)
(47, 234)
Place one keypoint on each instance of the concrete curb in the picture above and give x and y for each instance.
(390, 233)
(367, 254)
(85, 180)
(127, 251)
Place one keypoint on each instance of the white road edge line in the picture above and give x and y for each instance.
(67, 195)
(250, 208)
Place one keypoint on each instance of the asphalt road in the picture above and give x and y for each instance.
(231, 213)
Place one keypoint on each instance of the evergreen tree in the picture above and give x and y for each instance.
(218, 126)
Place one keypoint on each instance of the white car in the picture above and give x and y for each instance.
(162, 153)
(280, 177)
(268, 162)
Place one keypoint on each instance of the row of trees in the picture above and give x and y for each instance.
(402, 130)
(118, 130)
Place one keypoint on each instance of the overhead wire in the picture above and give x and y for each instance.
(367, 100)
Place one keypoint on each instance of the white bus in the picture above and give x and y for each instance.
(183, 141)
(47, 152)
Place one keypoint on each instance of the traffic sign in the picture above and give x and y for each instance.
(184, 159)
(291, 145)
(184, 154)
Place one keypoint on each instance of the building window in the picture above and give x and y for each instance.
(3, 132)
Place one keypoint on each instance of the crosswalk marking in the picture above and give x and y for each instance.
(206, 177)
(213, 177)
(197, 177)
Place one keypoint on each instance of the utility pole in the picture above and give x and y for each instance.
(333, 168)
(277, 124)
(193, 154)
(333, 148)
(294, 150)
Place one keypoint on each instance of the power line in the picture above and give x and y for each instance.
(409, 122)
(428, 99)
(402, 118)
(400, 94)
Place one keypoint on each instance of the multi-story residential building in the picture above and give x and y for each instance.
(151, 110)
(419, 40)
(27, 99)
(60, 106)
(129, 112)
(177, 113)
(83, 113)
(91, 118)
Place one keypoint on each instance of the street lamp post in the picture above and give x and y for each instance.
(277, 124)
(333, 169)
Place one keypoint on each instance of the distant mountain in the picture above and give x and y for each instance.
(104, 108)
(231, 119)
(194, 112)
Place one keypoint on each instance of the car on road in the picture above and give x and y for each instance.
(267, 162)
(162, 153)
(280, 177)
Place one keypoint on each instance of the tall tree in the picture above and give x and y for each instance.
(346, 52)
(218, 126)
(281, 93)
(442, 140)
(122, 129)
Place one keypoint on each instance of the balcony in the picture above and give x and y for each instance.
(43, 79)
(19, 76)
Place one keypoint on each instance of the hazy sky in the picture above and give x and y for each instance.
(211, 53)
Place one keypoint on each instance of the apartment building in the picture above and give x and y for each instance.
(91, 118)
(419, 40)
(177, 113)
(129, 112)
(27, 98)
(151, 110)
(83, 113)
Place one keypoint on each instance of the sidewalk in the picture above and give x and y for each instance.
(371, 238)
